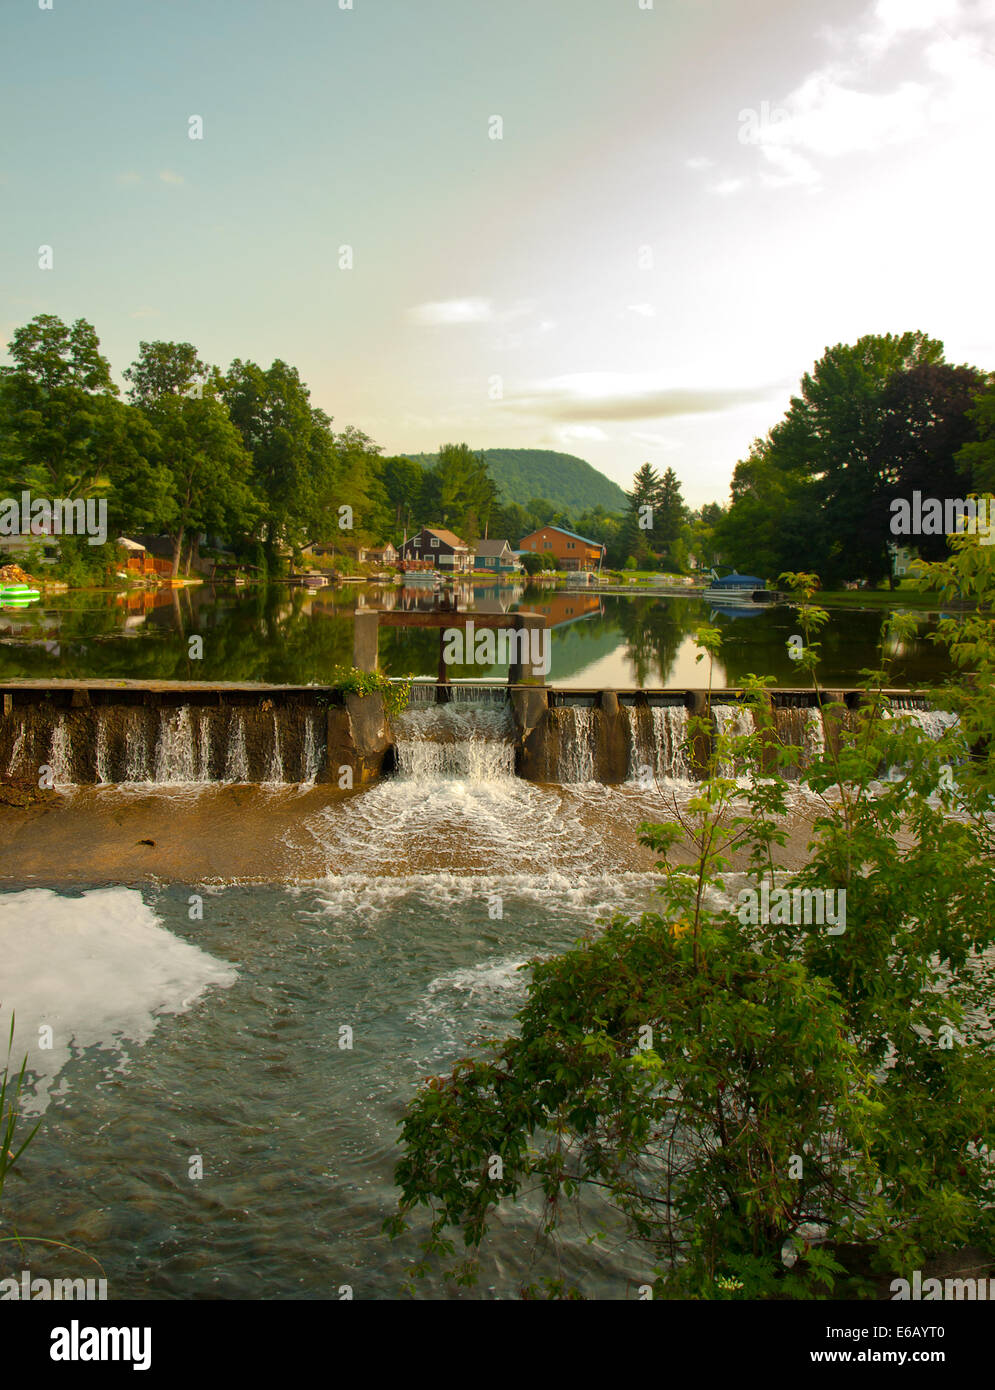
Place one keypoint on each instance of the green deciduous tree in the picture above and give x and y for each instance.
(734, 1087)
(52, 402)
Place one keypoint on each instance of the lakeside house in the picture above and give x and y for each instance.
(902, 559)
(378, 555)
(36, 547)
(495, 555)
(442, 548)
(140, 560)
(570, 551)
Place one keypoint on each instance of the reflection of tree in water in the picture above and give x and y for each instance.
(849, 643)
(654, 630)
(275, 633)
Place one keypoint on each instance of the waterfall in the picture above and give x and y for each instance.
(205, 746)
(799, 726)
(311, 758)
(104, 774)
(577, 731)
(17, 752)
(237, 757)
(731, 722)
(175, 747)
(60, 753)
(658, 737)
(934, 722)
(462, 741)
(492, 695)
(137, 747)
(275, 773)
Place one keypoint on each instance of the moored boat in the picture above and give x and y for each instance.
(738, 590)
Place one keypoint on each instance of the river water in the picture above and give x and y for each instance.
(271, 1034)
(220, 1065)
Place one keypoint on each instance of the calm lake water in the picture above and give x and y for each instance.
(290, 636)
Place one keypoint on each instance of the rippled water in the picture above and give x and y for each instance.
(208, 1025)
(296, 1133)
(192, 1022)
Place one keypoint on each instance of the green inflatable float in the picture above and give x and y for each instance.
(17, 595)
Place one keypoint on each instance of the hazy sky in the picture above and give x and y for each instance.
(688, 203)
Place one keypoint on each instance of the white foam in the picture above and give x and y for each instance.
(97, 969)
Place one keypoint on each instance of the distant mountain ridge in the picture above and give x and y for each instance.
(569, 481)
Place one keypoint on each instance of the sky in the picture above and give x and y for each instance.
(620, 228)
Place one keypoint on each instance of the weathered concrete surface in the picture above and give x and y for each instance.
(360, 738)
(530, 712)
(209, 834)
(90, 732)
(614, 741)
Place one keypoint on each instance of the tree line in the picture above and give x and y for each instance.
(873, 423)
(243, 456)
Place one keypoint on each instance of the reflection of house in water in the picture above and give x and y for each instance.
(561, 609)
(142, 601)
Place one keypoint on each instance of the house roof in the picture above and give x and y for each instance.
(126, 544)
(492, 547)
(564, 532)
(448, 536)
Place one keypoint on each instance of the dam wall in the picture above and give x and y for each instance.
(167, 732)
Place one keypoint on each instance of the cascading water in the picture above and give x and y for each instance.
(275, 773)
(136, 747)
(60, 753)
(17, 751)
(176, 747)
(169, 746)
(311, 755)
(237, 757)
(799, 726)
(658, 736)
(470, 742)
(732, 722)
(576, 730)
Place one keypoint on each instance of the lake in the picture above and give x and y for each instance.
(285, 635)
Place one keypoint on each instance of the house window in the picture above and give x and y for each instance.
(434, 542)
(547, 545)
(570, 545)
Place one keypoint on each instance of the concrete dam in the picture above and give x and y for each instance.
(92, 732)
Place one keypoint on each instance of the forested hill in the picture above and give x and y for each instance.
(521, 474)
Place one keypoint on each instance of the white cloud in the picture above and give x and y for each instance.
(579, 434)
(445, 312)
(145, 312)
(129, 178)
(656, 441)
(851, 105)
(452, 311)
(168, 176)
(645, 311)
(606, 396)
(836, 110)
(894, 17)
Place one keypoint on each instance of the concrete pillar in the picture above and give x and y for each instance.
(525, 671)
(365, 650)
(443, 666)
